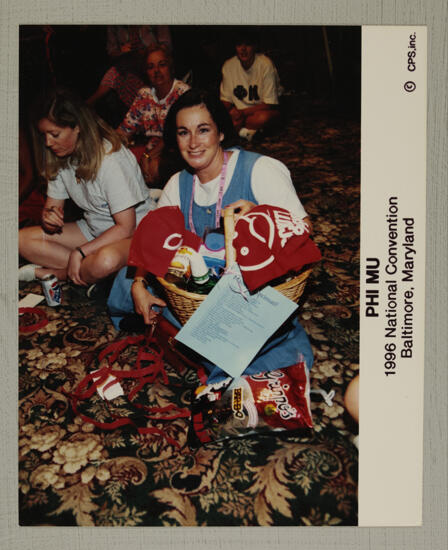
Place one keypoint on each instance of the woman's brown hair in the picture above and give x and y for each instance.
(65, 109)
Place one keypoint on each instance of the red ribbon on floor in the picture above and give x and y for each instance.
(148, 351)
(37, 313)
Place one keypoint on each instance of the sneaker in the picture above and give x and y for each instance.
(247, 134)
(28, 272)
(100, 291)
(91, 291)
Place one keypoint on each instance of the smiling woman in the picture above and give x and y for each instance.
(216, 175)
(200, 128)
(82, 159)
(199, 142)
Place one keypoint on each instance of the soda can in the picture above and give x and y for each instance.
(52, 290)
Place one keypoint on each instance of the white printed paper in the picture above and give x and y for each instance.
(231, 326)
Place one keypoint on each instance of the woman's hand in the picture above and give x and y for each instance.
(157, 148)
(307, 220)
(149, 163)
(143, 302)
(73, 268)
(243, 206)
(53, 219)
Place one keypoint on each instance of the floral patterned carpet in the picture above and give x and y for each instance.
(73, 473)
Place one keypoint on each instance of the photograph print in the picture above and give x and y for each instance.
(133, 141)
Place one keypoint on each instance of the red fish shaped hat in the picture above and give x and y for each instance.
(157, 238)
(269, 242)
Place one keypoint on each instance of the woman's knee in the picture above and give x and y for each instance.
(106, 261)
(28, 237)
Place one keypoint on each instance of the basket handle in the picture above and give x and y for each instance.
(229, 230)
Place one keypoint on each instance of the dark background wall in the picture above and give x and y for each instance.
(315, 63)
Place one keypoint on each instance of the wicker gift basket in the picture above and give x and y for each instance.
(185, 303)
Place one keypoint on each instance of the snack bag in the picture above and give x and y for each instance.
(260, 403)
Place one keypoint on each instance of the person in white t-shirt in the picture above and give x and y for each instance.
(83, 159)
(250, 88)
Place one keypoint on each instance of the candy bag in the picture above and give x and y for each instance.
(263, 403)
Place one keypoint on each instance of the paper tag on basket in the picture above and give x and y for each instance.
(231, 325)
(110, 388)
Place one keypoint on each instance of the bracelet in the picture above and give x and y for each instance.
(79, 249)
(140, 280)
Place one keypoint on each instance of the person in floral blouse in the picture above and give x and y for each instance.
(148, 112)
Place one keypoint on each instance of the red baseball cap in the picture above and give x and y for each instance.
(158, 236)
(269, 242)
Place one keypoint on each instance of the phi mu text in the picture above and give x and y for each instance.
(372, 294)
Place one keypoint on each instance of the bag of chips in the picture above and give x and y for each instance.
(267, 402)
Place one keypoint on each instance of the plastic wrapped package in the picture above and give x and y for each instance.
(267, 402)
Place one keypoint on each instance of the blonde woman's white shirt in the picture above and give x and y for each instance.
(118, 185)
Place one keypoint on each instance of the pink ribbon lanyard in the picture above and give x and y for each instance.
(218, 208)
